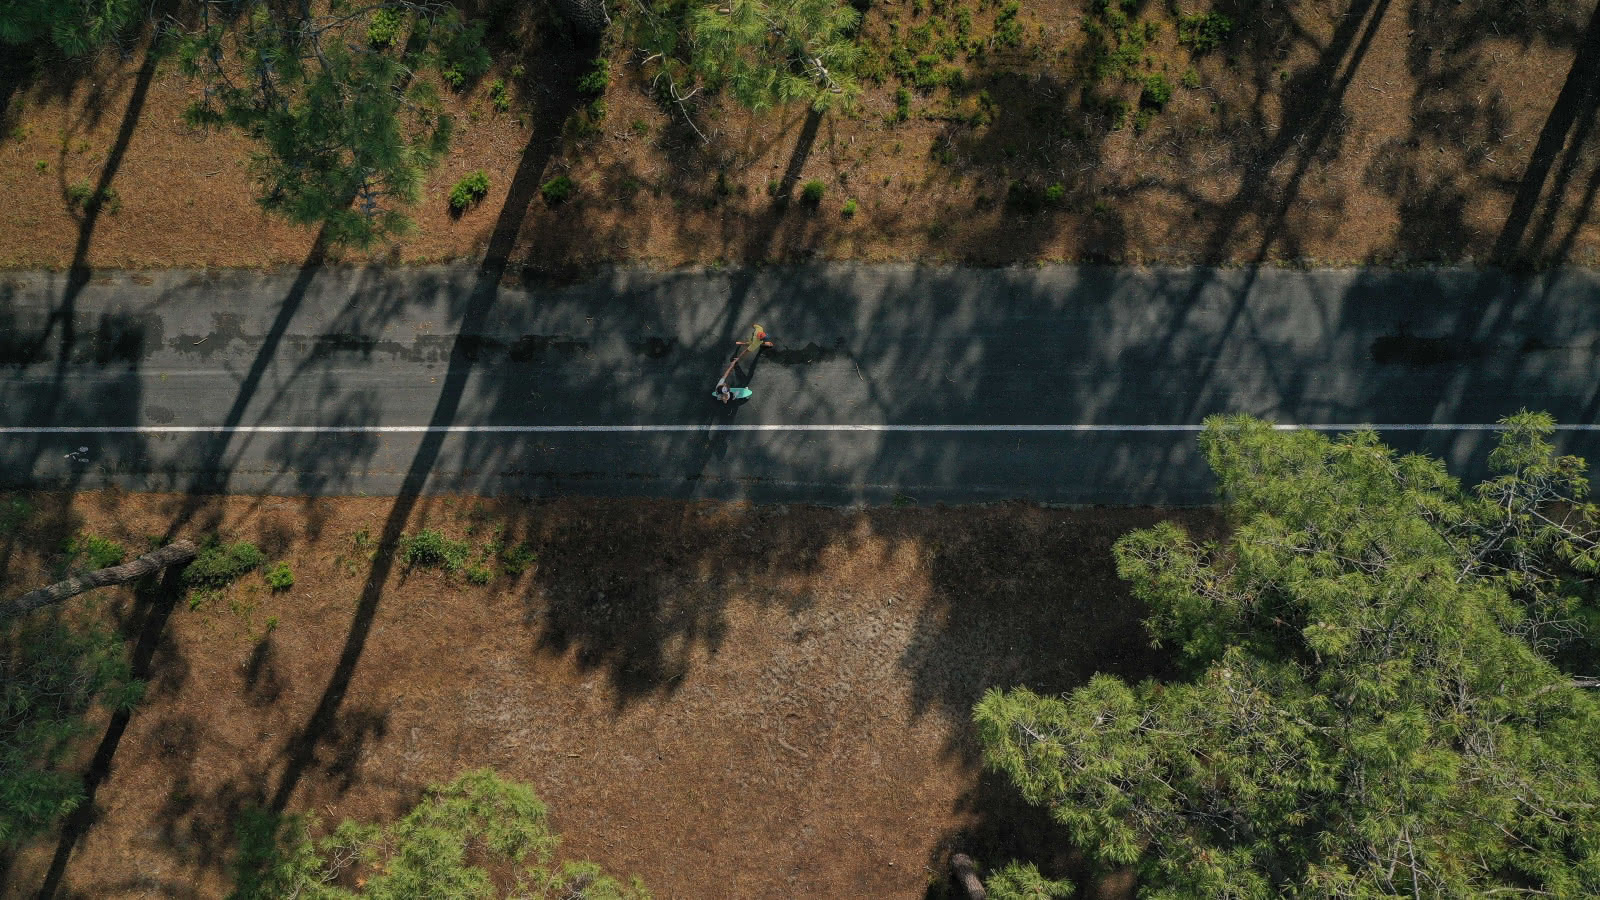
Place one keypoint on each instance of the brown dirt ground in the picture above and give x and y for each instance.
(728, 700)
(1327, 131)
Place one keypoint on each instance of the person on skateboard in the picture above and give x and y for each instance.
(757, 340)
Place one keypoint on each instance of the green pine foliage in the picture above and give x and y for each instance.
(768, 53)
(346, 132)
(75, 27)
(51, 676)
(476, 837)
(1374, 702)
(1022, 881)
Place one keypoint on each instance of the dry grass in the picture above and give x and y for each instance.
(730, 701)
(1337, 132)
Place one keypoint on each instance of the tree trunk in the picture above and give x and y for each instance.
(172, 554)
(966, 873)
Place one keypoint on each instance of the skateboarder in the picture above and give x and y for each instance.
(758, 339)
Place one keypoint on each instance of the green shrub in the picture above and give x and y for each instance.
(479, 574)
(811, 192)
(850, 208)
(1190, 79)
(557, 190)
(385, 27)
(499, 97)
(41, 166)
(430, 549)
(280, 577)
(1204, 32)
(1156, 92)
(516, 560)
(471, 189)
(902, 105)
(219, 564)
(14, 513)
(97, 552)
(1055, 193)
(596, 80)
(79, 193)
(1007, 30)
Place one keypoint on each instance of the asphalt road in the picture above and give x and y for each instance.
(1056, 384)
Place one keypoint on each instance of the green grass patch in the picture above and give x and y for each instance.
(87, 551)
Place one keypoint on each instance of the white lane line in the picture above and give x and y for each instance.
(635, 429)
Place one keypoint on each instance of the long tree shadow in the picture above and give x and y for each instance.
(301, 749)
(1564, 135)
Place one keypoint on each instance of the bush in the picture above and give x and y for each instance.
(81, 196)
(79, 193)
(219, 564)
(902, 105)
(499, 97)
(479, 574)
(471, 189)
(1190, 79)
(812, 192)
(1204, 32)
(557, 190)
(1157, 91)
(1055, 193)
(14, 513)
(385, 27)
(516, 560)
(280, 578)
(98, 552)
(850, 208)
(430, 549)
(596, 80)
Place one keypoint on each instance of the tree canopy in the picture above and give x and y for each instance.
(479, 836)
(74, 26)
(347, 126)
(1374, 702)
(762, 53)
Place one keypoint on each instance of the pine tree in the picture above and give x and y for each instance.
(773, 53)
(476, 837)
(75, 26)
(348, 129)
(1373, 705)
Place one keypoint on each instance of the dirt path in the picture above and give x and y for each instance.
(729, 701)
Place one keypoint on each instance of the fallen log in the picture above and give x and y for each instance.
(175, 553)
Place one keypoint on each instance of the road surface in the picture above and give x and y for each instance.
(1055, 384)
